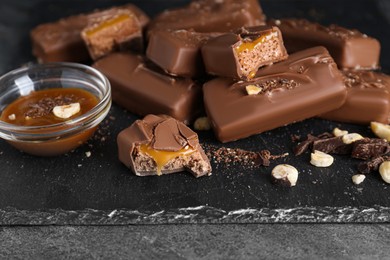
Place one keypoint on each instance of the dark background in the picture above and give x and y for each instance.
(61, 190)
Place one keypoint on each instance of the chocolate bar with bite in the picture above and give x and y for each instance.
(241, 54)
(308, 83)
(349, 48)
(368, 99)
(160, 145)
(210, 16)
(143, 89)
(178, 52)
(121, 31)
(62, 41)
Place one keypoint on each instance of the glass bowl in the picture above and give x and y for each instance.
(59, 138)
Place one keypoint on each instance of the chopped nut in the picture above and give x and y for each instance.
(384, 171)
(285, 174)
(88, 154)
(202, 124)
(66, 111)
(358, 178)
(12, 117)
(350, 138)
(338, 132)
(253, 90)
(320, 159)
(381, 130)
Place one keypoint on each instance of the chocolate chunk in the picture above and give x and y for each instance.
(368, 98)
(350, 48)
(62, 41)
(178, 51)
(120, 31)
(241, 54)
(334, 145)
(151, 147)
(210, 16)
(372, 165)
(368, 148)
(288, 94)
(144, 90)
(305, 145)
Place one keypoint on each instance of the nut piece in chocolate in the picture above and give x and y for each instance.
(160, 145)
(241, 54)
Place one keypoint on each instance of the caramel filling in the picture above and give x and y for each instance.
(162, 157)
(106, 24)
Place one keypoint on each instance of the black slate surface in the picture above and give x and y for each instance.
(76, 189)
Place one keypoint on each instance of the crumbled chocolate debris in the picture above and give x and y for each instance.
(295, 138)
(44, 106)
(243, 157)
(368, 148)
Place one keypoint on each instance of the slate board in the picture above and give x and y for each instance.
(99, 190)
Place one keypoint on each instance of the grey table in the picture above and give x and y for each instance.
(229, 241)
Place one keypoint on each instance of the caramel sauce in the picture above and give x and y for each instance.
(163, 157)
(250, 45)
(35, 109)
(108, 23)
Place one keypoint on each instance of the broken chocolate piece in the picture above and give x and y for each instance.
(368, 148)
(178, 52)
(288, 94)
(144, 90)
(160, 145)
(241, 54)
(372, 165)
(350, 48)
(368, 98)
(334, 145)
(62, 41)
(121, 31)
(210, 16)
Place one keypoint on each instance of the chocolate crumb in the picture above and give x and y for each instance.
(44, 106)
(368, 148)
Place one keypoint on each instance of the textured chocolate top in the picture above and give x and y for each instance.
(308, 83)
(211, 16)
(350, 49)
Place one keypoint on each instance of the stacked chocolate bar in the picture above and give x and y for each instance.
(221, 57)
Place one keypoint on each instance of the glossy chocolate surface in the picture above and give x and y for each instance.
(211, 16)
(242, 53)
(308, 83)
(368, 98)
(350, 49)
(161, 133)
(62, 41)
(143, 90)
(178, 52)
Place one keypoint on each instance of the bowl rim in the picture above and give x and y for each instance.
(70, 124)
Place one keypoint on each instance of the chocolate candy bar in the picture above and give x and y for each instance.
(121, 31)
(349, 48)
(178, 52)
(210, 16)
(308, 83)
(368, 98)
(144, 90)
(61, 40)
(160, 145)
(240, 55)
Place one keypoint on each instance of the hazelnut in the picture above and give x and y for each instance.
(253, 90)
(321, 159)
(384, 170)
(381, 130)
(202, 124)
(350, 138)
(358, 178)
(12, 117)
(285, 174)
(66, 111)
(338, 132)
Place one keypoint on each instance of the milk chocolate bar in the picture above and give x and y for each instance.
(240, 55)
(61, 40)
(178, 52)
(210, 16)
(160, 145)
(368, 99)
(143, 90)
(349, 48)
(121, 31)
(308, 83)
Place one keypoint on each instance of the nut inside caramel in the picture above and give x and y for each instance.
(162, 157)
(35, 109)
